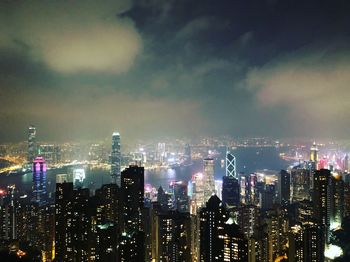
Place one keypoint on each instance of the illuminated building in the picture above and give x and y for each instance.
(132, 197)
(336, 200)
(78, 177)
(72, 223)
(220, 238)
(39, 181)
(106, 242)
(173, 236)
(230, 163)
(259, 244)
(198, 193)
(63, 222)
(108, 203)
(253, 189)
(244, 189)
(321, 197)
(305, 211)
(180, 196)
(346, 200)
(230, 184)
(32, 145)
(131, 246)
(230, 191)
(212, 220)
(284, 187)
(8, 214)
(218, 188)
(277, 231)
(208, 177)
(235, 244)
(116, 158)
(306, 242)
(300, 179)
(247, 219)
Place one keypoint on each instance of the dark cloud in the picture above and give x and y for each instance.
(155, 68)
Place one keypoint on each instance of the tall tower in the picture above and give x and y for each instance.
(230, 165)
(230, 191)
(115, 158)
(32, 146)
(208, 176)
(39, 181)
(230, 184)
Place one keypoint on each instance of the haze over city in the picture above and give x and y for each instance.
(80, 70)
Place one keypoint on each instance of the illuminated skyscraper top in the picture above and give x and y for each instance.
(32, 147)
(313, 153)
(115, 158)
(230, 165)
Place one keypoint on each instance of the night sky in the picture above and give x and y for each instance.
(156, 68)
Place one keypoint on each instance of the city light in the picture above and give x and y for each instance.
(333, 251)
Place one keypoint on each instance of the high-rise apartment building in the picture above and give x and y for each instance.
(116, 158)
(284, 187)
(32, 145)
(132, 197)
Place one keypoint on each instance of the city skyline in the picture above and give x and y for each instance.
(174, 68)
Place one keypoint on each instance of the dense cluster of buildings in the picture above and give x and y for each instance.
(249, 217)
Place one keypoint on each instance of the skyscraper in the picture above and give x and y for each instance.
(212, 220)
(39, 181)
(173, 236)
(180, 196)
(230, 164)
(321, 196)
(132, 197)
(220, 239)
(235, 244)
(306, 243)
(230, 183)
(32, 146)
(336, 200)
(116, 158)
(208, 176)
(72, 223)
(230, 191)
(300, 179)
(132, 241)
(284, 187)
(63, 221)
(198, 192)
